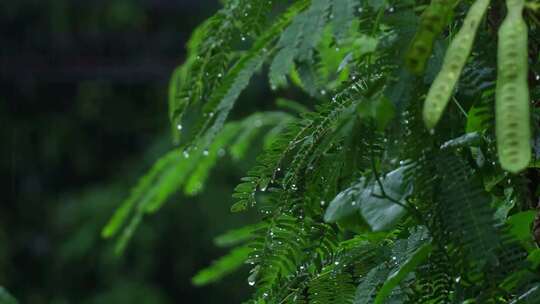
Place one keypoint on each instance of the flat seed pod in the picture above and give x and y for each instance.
(432, 23)
(456, 56)
(512, 112)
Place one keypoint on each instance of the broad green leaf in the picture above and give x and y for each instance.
(397, 275)
(345, 203)
(381, 110)
(520, 224)
(382, 213)
(367, 289)
(379, 212)
(534, 258)
(475, 119)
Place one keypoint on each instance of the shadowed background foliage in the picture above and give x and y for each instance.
(83, 106)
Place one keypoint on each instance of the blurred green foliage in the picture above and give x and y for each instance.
(83, 90)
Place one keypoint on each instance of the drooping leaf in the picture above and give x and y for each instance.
(414, 251)
(222, 267)
(236, 236)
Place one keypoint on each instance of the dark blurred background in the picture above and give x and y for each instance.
(83, 114)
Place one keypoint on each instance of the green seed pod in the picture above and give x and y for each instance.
(432, 23)
(512, 115)
(456, 56)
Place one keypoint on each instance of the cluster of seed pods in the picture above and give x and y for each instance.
(512, 117)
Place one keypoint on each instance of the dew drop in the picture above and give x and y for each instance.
(179, 127)
(205, 152)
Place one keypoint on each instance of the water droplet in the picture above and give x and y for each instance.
(205, 152)
(186, 154)
(323, 92)
(219, 75)
(179, 127)
(251, 283)
(323, 203)
(336, 263)
(243, 38)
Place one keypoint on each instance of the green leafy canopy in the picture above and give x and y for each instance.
(357, 201)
